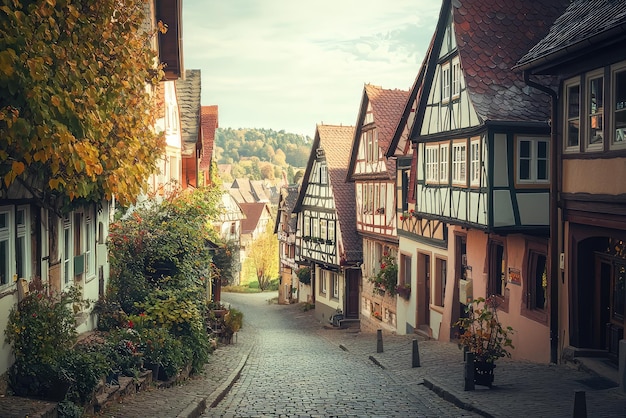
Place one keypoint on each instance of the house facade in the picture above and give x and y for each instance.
(326, 238)
(285, 230)
(584, 49)
(482, 143)
(44, 247)
(373, 175)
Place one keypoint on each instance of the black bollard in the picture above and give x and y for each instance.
(379, 341)
(416, 354)
(469, 371)
(580, 404)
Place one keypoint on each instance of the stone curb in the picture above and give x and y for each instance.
(446, 395)
(211, 400)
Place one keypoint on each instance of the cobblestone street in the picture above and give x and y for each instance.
(291, 371)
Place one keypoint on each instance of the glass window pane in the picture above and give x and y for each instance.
(596, 110)
(524, 169)
(3, 220)
(524, 149)
(573, 104)
(542, 170)
(542, 149)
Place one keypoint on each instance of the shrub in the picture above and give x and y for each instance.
(40, 330)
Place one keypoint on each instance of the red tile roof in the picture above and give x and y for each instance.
(209, 125)
(387, 107)
(491, 36)
(253, 212)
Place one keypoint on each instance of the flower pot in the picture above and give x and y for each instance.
(483, 373)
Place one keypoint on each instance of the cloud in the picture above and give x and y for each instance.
(289, 65)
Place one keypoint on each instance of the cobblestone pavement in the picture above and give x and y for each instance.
(284, 363)
(292, 372)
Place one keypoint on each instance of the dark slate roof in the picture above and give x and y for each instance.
(336, 142)
(209, 125)
(492, 35)
(286, 203)
(188, 95)
(584, 23)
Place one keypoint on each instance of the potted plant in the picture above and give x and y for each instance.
(386, 279)
(482, 334)
(404, 290)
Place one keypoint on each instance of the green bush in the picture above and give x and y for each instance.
(40, 330)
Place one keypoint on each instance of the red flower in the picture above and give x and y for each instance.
(130, 324)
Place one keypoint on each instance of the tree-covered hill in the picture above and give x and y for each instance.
(261, 153)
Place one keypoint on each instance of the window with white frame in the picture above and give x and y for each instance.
(90, 246)
(323, 281)
(22, 247)
(443, 163)
(323, 228)
(6, 272)
(445, 82)
(533, 161)
(618, 77)
(331, 230)
(306, 230)
(431, 161)
(315, 223)
(572, 111)
(459, 160)
(595, 109)
(323, 173)
(370, 140)
(475, 162)
(335, 284)
(67, 247)
(404, 276)
(456, 78)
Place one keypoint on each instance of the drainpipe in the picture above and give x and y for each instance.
(553, 218)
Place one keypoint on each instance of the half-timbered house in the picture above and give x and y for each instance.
(422, 240)
(373, 176)
(285, 229)
(326, 237)
(482, 139)
(585, 50)
(43, 247)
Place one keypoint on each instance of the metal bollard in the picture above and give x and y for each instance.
(379, 341)
(416, 354)
(580, 404)
(469, 371)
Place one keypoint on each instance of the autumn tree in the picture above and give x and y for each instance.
(263, 257)
(76, 116)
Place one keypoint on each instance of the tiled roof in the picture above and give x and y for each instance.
(336, 141)
(584, 23)
(491, 36)
(253, 213)
(209, 125)
(188, 95)
(387, 108)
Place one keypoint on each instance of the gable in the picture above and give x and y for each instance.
(448, 106)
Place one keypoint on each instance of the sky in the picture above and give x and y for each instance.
(290, 64)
